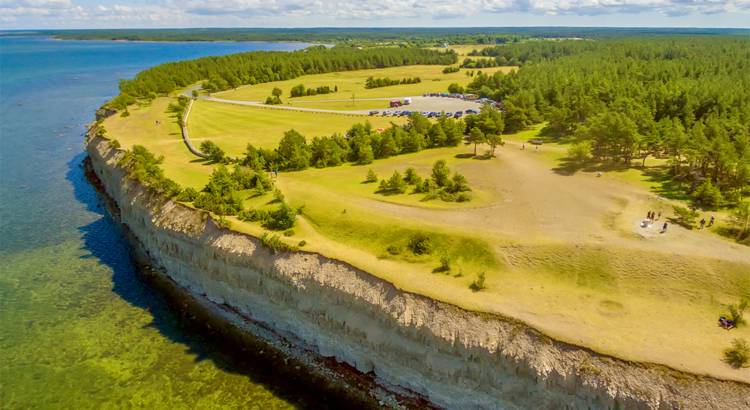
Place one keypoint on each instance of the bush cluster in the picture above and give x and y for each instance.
(451, 69)
(419, 244)
(440, 185)
(213, 151)
(372, 82)
(300, 91)
(275, 244)
(144, 167)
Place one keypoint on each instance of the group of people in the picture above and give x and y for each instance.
(710, 222)
(726, 323)
(652, 216)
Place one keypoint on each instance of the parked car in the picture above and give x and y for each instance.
(407, 101)
(448, 114)
(395, 113)
(374, 112)
(426, 95)
(386, 113)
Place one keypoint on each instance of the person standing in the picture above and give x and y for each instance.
(523, 146)
(703, 222)
(659, 217)
(537, 149)
(711, 221)
(664, 228)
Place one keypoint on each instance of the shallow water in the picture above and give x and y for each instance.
(79, 328)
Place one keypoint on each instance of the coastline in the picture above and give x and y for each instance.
(465, 359)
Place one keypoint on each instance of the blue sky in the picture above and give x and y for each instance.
(57, 14)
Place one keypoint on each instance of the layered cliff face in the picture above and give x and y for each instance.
(458, 359)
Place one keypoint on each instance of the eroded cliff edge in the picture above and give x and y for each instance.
(458, 359)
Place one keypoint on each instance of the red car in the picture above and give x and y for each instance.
(396, 104)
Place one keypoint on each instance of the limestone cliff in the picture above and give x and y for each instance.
(456, 358)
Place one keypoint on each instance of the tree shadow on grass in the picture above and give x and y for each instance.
(568, 167)
(663, 184)
(675, 221)
(182, 320)
(464, 156)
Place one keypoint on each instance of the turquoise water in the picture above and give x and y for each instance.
(79, 327)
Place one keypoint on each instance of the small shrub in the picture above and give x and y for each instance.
(396, 183)
(284, 217)
(411, 177)
(383, 186)
(418, 185)
(302, 243)
(463, 197)
(254, 215)
(115, 143)
(739, 354)
(278, 195)
(431, 194)
(274, 244)
(125, 114)
(224, 223)
(371, 176)
(188, 195)
(419, 243)
(446, 196)
(445, 263)
(736, 312)
(289, 232)
(394, 249)
(478, 284)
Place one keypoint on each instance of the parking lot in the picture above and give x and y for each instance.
(436, 104)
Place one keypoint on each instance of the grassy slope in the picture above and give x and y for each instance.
(622, 311)
(353, 82)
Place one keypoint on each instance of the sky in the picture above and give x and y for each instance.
(77, 14)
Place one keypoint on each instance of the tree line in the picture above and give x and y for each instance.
(686, 100)
(372, 82)
(300, 90)
(231, 71)
(361, 144)
(368, 36)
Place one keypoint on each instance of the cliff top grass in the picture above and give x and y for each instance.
(565, 252)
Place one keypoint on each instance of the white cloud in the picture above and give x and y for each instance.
(285, 13)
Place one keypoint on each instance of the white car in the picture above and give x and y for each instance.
(386, 113)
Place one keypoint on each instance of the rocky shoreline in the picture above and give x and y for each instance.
(455, 358)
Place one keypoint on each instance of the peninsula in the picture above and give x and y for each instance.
(547, 224)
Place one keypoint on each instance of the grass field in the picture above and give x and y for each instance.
(232, 127)
(353, 82)
(564, 251)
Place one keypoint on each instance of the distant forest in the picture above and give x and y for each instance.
(231, 71)
(368, 36)
(686, 99)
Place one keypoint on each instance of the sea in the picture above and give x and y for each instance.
(80, 328)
